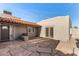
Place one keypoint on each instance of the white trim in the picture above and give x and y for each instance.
(10, 32)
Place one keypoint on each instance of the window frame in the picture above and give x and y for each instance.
(49, 32)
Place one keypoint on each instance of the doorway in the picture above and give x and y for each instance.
(49, 32)
(4, 33)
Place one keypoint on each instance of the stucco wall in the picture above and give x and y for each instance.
(60, 25)
(18, 29)
(75, 33)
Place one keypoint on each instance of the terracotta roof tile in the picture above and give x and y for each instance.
(11, 19)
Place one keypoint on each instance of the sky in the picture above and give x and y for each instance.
(36, 12)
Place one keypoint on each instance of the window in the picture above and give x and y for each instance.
(51, 31)
(4, 27)
(31, 29)
(47, 31)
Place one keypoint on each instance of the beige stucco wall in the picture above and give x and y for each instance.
(60, 25)
(75, 33)
(18, 30)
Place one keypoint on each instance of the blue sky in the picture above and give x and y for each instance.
(37, 12)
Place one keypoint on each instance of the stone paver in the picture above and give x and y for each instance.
(24, 53)
(32, 48)
(4, 52)
(16, 50)
(45, 54)
(31, 45)
(46, 44)
(46, 50)
(35, 54)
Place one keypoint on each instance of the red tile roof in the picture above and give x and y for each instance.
(12, 19)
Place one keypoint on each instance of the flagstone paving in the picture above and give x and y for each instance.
(34, 47)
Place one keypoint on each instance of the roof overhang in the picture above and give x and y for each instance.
(18, 21)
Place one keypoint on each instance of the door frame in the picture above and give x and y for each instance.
(49, 34)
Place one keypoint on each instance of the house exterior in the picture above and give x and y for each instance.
(57, 28)
(12, 27)
(60, 28)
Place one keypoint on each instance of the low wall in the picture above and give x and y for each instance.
(74, 32)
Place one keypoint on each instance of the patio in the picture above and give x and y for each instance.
(33, 47)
